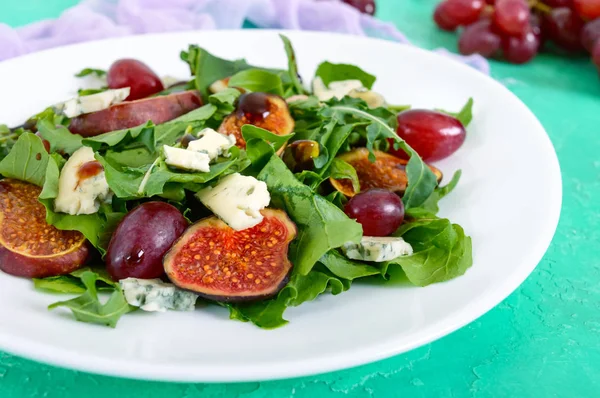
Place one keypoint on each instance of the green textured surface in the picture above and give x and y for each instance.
(543, 341)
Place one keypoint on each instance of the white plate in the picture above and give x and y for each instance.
(508, 200)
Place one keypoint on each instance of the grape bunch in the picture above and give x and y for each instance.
(518, 29)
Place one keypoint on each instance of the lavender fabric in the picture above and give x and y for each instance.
(98, 19)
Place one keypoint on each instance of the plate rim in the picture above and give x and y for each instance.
(299, 368)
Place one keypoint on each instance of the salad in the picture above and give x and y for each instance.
(238, 187)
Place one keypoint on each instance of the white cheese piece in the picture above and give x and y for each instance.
(155, 295)
(218, 86)
(377, 249)
(212, 143)
(92, 103)
(187, 160)
(168, 81)
(373, 99)
(336, 89)
(77, 195)
(237, 200)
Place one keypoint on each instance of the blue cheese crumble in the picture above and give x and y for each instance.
(155, 295)
(377, 249)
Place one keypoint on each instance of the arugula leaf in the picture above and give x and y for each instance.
(329, 72)
(91, 71)
(225, 100)
(292, 65)
(82, 92)
(277, 141)
(26, 161)
(431, 204)
(8, 138)
(257, 80)
(261, 144)
(72, 283)
(143, 134)
(465, 115)
(59, 137)
(321, 225)
(341, 266)
(341, 169)
(88, 308)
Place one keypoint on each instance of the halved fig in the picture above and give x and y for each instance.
(221, 264)
(267, 111)
(30, 247)
(129, 114)
(388, 172)
(300, 155)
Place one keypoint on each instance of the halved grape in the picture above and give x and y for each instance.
(136, 75)
(479, 38)
(379, 211)
(519, 50)
(512, 17)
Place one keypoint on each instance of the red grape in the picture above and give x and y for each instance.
(512, 16)
(453, 13)
(479, 38)
(590, 34)
(136, 75)
(588, 9)
(559, 3)
(379, 211)
(596, 55)
(491, 2)
(520, 49)
(365, 6)
(563, 27)
(535, 23)
(434, 135)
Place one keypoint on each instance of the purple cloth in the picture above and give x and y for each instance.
(98, 19)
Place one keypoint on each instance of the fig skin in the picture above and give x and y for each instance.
(37, 250)
(129, 114)
(237, 266)
(388, 169)
(267, 111)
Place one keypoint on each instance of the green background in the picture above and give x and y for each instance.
(542, 341)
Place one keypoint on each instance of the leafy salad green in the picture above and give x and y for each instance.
(136, 171)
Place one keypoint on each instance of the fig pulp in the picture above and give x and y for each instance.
(221, 264)
(129, 114)
(267, 111)
(387, 172)
(29, 246)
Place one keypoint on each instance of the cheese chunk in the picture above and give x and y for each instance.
(82, 193)
(377, 249)
(212, 143)
(155, 295)
(335, 90)
(237, 200)
(92, 103)
(186, 160)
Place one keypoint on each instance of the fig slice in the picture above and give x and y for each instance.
(129, 114)
(224, 265)
(267, 111)
(387, 172)
(29, 246)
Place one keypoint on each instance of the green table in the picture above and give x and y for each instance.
(543, 341)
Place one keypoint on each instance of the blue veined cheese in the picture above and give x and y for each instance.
(337, 89)
(377, 249)
(237, 200)
(92, 103)
(78, 195)
(155, 295)
(187, 160)
(212, 143)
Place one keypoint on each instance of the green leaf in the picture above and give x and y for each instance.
(91, 71)
(88, 308)
(72, 283)
(329, 72)
(82, 92)
(345, 268)
(225, 100)
(341, 169)
(143, 135)
(465, 115)
(321, 225)
(292, 65)
(59, 137)
(257, 80)
(8, 138)
(27, 160)
(431, 204)
(277, 141)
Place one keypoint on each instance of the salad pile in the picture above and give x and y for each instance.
(239, 187)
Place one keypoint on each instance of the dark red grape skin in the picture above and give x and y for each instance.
(588, 9)
(136, 75)
(479, 38)
(450, 14)
(442, 20)
(596, 55)
(379, 211)
(434, 135)
(559, 3)
(519, 50)
(142, 238)
(590, 34)
(511, 17)
(563, 27)
(364, 6)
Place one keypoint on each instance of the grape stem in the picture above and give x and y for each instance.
(540, 6)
